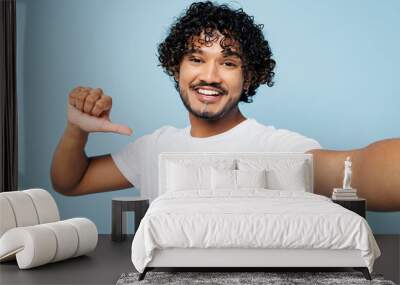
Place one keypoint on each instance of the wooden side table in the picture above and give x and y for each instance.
(358, 206)
(121, 205)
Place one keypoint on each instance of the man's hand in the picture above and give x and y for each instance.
(72, 172)
(89, 110)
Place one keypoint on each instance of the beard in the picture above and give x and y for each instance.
(206, 114)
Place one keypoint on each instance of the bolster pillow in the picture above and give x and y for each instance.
(51, 242)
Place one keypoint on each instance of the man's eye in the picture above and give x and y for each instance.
(194, 59)
(228, 63)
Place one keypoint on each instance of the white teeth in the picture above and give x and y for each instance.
(207, 92)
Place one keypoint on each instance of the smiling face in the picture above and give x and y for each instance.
(210, 78)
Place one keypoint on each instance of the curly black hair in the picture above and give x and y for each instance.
(235, 26)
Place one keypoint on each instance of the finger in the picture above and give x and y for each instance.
(71, 100)
(103, 104)
(72, 95)
(116, 128)
(98, 90)
(91, 100)
(80, 99)
(76, 89)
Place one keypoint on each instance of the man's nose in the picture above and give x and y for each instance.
(211, 73)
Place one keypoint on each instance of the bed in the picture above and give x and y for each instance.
(243, 210)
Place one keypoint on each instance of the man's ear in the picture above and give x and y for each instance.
(247, 81)
(246, 85)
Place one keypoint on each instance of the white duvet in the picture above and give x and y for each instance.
(250, 218)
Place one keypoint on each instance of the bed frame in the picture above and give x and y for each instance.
(241, 259)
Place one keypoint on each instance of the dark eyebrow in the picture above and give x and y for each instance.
(226, 53)
(194, 50)
(229, 52)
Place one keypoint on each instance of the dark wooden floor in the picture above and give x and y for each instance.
(102, 266)
(389, 262)
(111, 259)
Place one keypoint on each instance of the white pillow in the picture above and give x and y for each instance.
(193, 174)
(251, 178)
(237, 179)
(223, 179)
(290, 179)
(187, 177)
(282, 174)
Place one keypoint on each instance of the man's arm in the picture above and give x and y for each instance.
(375, 173)
(72, 172)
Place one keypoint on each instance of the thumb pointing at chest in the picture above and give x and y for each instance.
(108, 126)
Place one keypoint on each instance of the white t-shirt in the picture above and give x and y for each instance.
(138, 161)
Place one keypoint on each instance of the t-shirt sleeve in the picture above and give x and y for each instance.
(129, 160)
(289, 141)
(306, 144)
(137, 160)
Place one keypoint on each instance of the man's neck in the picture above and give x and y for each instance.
(201, 128)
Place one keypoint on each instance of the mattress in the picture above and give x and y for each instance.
(250, 219)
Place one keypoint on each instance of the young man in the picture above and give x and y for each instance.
(218, 57)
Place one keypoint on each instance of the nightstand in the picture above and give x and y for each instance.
(120, 206)
(358, 206)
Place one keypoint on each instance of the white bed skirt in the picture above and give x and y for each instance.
(236, 257)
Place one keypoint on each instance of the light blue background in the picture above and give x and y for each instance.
(337, 78)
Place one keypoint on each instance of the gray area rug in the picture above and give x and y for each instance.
(273, 278)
